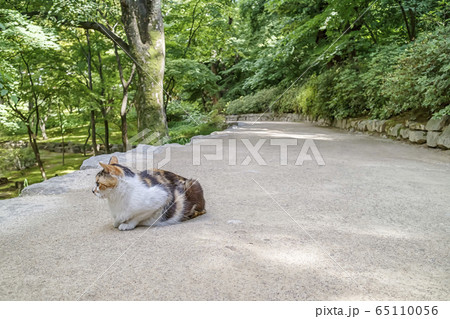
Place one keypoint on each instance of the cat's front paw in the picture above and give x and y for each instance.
(116, 224)
(126, 226)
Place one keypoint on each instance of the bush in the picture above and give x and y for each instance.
(289, 101)
(421, 81)
(178, 110)
(386, 83)
(16, 159)
(187, 120)
(378, 65)
(261, 101)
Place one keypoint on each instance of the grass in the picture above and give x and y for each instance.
(53, 167)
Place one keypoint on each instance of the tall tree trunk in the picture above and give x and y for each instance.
(124, 107)
(123, 119)
(405, 19)
(124, 129)
(106, 125)
(61, 127)
(93, 134)
(35, 148)
(104, 108)
(412, 20)
(90, 86)
(144, 28)
(33, 135)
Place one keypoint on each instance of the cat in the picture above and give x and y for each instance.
(147, 198)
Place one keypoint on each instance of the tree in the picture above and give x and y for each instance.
(124, 105)
(144, 29)
(24, 46)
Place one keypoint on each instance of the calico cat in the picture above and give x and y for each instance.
(147, 198)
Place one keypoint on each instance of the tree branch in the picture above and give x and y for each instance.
(105, 31)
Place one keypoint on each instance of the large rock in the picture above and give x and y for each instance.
(380, 126)
(415, 126)
(437, 124)
(404, 133)
(443, 140)
(370, 125)
(323, 122)
(432, 138)
(338, 123)
(75, 181)
(137, 155)
(362, 125)
(395, 130)
(419, 137)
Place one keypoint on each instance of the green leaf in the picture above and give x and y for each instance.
(3, 92)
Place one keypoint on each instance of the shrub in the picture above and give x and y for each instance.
(16, 159)
(378, 65)
(187, 120)
(421, 81)
(289, 102)
(261, 101)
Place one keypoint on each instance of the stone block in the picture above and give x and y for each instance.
(419, 137)
(415, 126)
(437, 124)
(432, 138)
(395, 130)
(404, 133)
(443, 140)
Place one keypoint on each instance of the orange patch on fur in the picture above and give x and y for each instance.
(106, 181)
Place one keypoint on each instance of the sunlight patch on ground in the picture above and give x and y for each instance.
(298, 257)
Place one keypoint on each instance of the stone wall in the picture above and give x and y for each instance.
(434, 133)
(77, 148)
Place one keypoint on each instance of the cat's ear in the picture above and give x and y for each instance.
(113, 160)
(105, 167)
(111, 169)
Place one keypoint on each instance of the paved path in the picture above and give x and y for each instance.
(373, 223)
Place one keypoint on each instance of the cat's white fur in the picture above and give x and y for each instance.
(133, 203)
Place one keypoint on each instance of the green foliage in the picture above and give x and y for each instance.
(391, 80)
(16, 159)
(193, 79)
(187, 120)
(421, 79)
(254, 103)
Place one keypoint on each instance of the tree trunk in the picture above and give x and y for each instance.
(106, 124)
(35, 148)
(90, 86)
(104, 108)
(61, 127)
(144, 28)
(124, 106)
(405, 19)
(124, 129)
(94, 135)
(43, 128)
(412, 20)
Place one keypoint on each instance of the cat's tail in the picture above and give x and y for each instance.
(194, 198)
